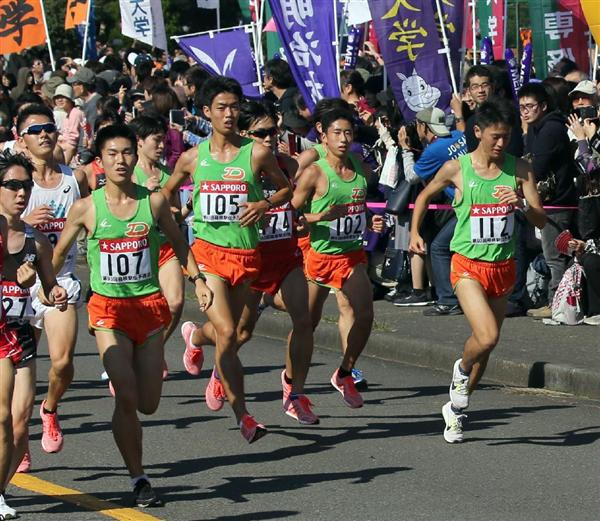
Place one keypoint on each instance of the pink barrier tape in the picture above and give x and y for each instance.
(381, 206)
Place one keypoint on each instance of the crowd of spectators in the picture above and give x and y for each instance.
(559, 133)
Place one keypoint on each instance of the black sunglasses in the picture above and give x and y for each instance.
(15, 185)
(37, 129)
(262, 133)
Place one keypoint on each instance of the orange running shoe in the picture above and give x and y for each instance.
(346, 387)
(287, 388)
(52, 436)
(25, 465)
(193, 356)
(299, 409)
(251, 430)
(215, 394)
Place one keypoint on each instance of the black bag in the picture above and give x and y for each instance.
(396, 265)
(399, 198)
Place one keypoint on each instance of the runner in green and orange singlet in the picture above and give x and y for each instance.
(483, 270)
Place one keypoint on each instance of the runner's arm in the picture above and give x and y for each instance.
(162, 213)
(184, 168)
(443, 179)
(53, 293)
(81, 178)
(535, 213)
(76, 221)
(305, 159)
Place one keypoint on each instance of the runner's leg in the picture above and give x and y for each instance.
(7, 381)
(171, 282)
(317, 295)
(249, 317)
(147, 365)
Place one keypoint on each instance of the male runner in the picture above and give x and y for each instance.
(228, 205)
(54, 192)
(127, 311)
(26, 246)
(483, 269)
(149, 172)
(336, 187)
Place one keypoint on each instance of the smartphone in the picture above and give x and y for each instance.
(134, 112)
(292, 143)
(177, 117)
(584, 113)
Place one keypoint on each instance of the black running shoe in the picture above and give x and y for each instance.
(144, 495)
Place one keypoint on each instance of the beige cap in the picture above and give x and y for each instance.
(65, 91)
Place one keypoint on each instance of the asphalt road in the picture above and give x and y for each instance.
(527, 456)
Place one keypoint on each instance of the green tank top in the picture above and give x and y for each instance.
(141, 178)
(320, 148)
(485, 229)
(219, 189)
(345, 234)
(123, 254)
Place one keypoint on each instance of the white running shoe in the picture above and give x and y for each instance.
(104, 376)
(5, 511)
(459, 388)
(453, 433)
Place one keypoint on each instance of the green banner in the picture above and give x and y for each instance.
(545, 45)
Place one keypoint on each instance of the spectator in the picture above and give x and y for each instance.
(84, 88)
(72, 123)
(24, 83)
(547, 145)
(279, 82)
(37, 70)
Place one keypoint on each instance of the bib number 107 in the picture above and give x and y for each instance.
(118, 268)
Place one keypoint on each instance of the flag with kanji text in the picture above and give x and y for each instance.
(76, 13)
(21, 25)
(143, 20)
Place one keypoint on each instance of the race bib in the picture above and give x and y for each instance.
(351, 226)
(52, 229)
(279, 225)
(492, 223)
(220, 201)
(125, 260)
(16, 301)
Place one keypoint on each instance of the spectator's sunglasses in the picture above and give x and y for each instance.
(15, 185)
(37, 129)
(262, 133)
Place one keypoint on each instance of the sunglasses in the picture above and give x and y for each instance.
(15, 185)
(262, 133)
(37, 129)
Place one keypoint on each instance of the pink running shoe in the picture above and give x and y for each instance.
(193, 356)
(165, 374)
(252, 430)
(352, 397)
(299, 409)
(52, 436)
(287, 388)
(215, 394)
(25, 465)
(111, 388)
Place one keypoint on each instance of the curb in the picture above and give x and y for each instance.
(420, 352)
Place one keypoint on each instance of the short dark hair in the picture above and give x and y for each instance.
(281, 73)
(216, 85)
(145, 126)
(111, 61)
(112, 132)
(496, 111)
(536, 91)
(354, 79)
(35, 109)
(252, 111)
(334, 115)
(196, 76)
(326, 104)
(8, 159)
(107, 116)
(478, 70)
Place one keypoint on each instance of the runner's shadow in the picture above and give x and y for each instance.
(574, 438)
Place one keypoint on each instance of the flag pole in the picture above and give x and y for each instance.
(337, 44)
(446, 49)
(48, 36)
(259, 29)
(255, 42)
(85, 34)
(595, 68)
(473, 28)
(176, 37)
(219, 15)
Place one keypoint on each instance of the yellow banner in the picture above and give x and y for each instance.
(591, 10)
(76, 13)
(21, 25)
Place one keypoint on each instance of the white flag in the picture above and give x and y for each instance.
(207, 4)
(143, 20)
(358, 12)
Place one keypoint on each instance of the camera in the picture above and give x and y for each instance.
(584, 113)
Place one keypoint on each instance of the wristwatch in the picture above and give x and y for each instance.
(200, 275)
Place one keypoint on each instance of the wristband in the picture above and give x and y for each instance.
(270, 203)
(199, 276)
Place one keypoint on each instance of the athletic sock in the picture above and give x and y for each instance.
(293, 396)
(216, 374)
(287, 380)
(462, 371)
(46, 411)
(134, 481)
(456, 410)
(342, 373)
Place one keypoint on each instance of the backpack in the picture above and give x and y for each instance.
(566, 305)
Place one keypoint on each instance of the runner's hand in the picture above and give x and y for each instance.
(204, 295)
(509, 196)
(26, 275)
(152, 184)
(253, 213)
(378, 224)
(417, 244)
(59, 297)
(302, 228)
(335, 212)
(40, 215)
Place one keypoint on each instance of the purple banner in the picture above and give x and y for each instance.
(526, 63)
(226, 53)
(307, 31)
(487, 51)
(409, 42)
(355, 36)
(513, 71)
(453, 13)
